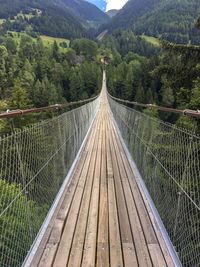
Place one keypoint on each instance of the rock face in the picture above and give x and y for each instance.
(111, 13)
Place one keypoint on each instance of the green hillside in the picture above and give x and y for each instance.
(130, 13)
(173, 20)
(88, 12)
(54, 20)
(47, 40)
(58, 18)
(152, 40)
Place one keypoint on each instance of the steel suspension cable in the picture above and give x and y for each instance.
(185, 112)
(19, 112)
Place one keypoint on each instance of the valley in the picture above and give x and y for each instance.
(141, 66)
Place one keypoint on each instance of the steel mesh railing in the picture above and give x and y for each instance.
(168, 159)
(33, 165)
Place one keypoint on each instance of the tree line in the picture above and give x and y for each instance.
(34, 75)
(166, 76)
(173, 20)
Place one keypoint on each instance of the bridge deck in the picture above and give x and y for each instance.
(104, 220)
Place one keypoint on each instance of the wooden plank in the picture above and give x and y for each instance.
(102, 243)
(56, 232)
(144, 217)
(79, 236)
(71, 189)
(89, 253)
(130, 258)
(72, 184)
(63, 252)
(155, 252)
(137, 231)
(116, 257)
(147, 223)
(52, 245)
(57, 228)
(48, 255)
(161, 241)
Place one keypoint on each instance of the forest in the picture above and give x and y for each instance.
(35, 75)
(66, 25)
(167, 75)
(69, 19)
(172, 20)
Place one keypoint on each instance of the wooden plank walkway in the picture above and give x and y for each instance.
(103, 220)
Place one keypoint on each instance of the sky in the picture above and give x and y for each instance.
(115, 4)
(106, 5)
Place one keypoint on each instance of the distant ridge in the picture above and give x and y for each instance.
(130, 13)
(55, 18)
(86, 11)
(58, 18)
(113, 12)
(173, 20)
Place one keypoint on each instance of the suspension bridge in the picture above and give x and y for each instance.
(130, 197)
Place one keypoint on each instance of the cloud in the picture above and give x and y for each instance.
(115, 4)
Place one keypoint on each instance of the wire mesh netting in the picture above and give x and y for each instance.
(168, 159)
(33, 165)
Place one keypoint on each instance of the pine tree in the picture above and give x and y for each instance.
(11, 45)
(195, 97)
(149, 97)
(40, 94)
(55, 51)
(133, 78)
(27, 76)
(19, 98)
(3, 78)
(76, 86)
(140, 95)
(168, 97)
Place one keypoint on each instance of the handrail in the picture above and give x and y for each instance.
(185, 112)
(19, 112)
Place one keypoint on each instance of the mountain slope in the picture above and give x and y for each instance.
(198, 23)
(55, 19)
(86, 11)
(173, 20)
(113, 12)
(130, 13)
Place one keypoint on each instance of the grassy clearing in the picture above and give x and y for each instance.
(2, 21)
(47, 40)
(32, 14)
(152, 40)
